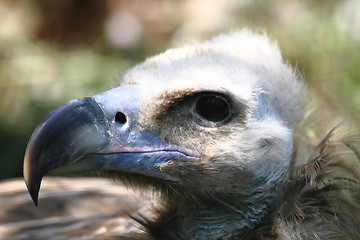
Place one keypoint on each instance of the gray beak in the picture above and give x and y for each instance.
(97, 133)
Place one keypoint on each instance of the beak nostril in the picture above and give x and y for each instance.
(120, 118)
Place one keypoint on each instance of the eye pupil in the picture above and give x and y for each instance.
(212, 108)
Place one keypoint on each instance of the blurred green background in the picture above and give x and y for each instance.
(52, 51)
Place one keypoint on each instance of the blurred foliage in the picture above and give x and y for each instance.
(53, 51)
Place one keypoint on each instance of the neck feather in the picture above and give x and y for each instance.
(215, 216)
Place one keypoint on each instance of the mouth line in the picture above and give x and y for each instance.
(153, 149)
(188, 154)
(146, 162)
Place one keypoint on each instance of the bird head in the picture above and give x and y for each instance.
(211, 118)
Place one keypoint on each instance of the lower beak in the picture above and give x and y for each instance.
(85, 135)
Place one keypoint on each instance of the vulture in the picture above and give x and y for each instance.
(208, 136)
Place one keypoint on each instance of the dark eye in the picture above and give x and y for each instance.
(211, 108)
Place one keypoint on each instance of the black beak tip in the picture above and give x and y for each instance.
(33, 189)
(32, 180)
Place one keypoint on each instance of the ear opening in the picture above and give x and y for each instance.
(265, 109)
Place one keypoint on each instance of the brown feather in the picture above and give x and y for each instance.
(324, 190)
(70, 208)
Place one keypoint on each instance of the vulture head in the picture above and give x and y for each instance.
(209, 125)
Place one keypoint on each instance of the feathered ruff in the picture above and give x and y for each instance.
(321, 199)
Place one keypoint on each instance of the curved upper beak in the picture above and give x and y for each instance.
(97, 133)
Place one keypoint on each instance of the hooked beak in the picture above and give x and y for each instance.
(97, 133)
